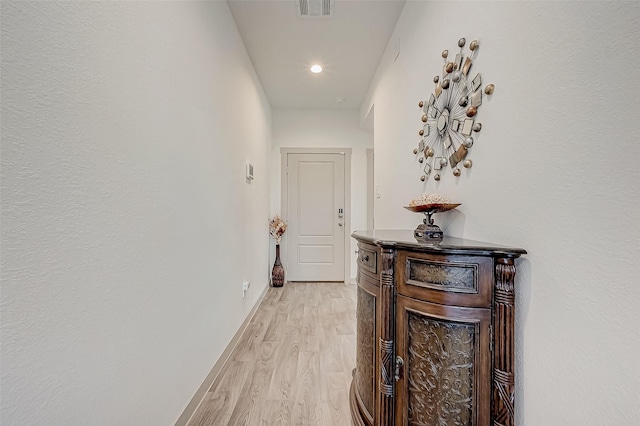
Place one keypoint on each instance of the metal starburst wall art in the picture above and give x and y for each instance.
(449, 117)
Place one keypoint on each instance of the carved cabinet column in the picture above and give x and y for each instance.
(504, 347)
(435, 342)
(386, 401)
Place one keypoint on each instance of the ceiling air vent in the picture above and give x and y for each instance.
(314, 8)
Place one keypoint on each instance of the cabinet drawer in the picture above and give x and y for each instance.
(368, 258)
(449, 280)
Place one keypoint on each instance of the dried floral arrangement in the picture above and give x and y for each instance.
(425, 199)
(277, 227)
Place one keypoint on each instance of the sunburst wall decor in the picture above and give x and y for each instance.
(449, 116)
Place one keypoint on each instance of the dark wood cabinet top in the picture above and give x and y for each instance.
(403, 239)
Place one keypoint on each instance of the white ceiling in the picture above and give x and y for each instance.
(283, 47)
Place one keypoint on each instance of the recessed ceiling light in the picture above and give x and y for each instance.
(316, 68)
(339, 99)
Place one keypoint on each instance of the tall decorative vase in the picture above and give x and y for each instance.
(277, 273)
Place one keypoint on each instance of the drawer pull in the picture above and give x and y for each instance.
(399, 368)
(366, 259)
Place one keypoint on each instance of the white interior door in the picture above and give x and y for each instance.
(316, 215)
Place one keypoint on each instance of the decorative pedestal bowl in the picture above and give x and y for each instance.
(427, 231)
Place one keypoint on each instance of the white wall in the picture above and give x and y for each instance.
(555, 171)
(127, 224)
(324, 129)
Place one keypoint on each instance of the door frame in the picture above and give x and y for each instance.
(284, 198)
(370, 191)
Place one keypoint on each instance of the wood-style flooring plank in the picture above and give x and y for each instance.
(307, 402)
(220, 401)
(285, 371)
(277, 413)
(274, 329)
(335, 399)
(244, 412)
(292, 366)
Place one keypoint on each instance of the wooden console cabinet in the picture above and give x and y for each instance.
(435, 332)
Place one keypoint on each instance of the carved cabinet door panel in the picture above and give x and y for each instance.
(366, 335)
(446, 372)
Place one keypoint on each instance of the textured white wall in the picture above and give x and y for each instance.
(555, 171)
(127, 224)
(324, 129)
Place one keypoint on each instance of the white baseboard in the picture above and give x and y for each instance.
(193, 405)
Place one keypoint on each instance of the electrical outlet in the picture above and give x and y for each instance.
(245, 287)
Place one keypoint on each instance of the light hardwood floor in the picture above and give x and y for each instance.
(292, 366)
